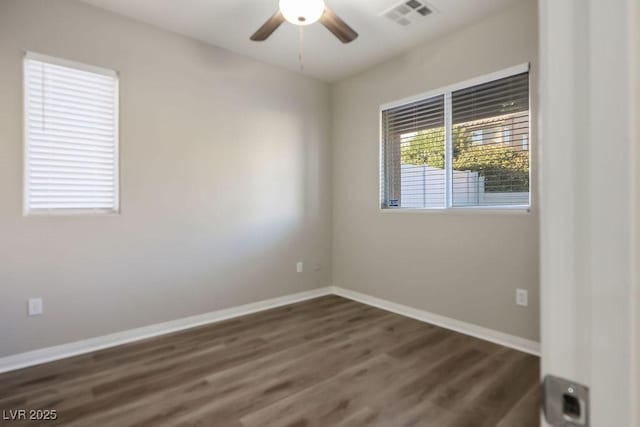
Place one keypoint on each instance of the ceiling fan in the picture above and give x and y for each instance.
(306, 12)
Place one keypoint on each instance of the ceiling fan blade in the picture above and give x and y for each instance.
(337, 26)
(268, 27)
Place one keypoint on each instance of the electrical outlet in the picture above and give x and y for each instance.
(35, 306)
(317, 267)
(300, 267)
(522, 297)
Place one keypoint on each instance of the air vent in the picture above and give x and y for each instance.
(402, 9)
(407, 12)
(424, 11)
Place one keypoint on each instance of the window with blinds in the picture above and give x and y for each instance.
(414, 154)
(492, 170)
(463, 146)
(71, 137)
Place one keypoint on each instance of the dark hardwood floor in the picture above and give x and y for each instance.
(324, 362)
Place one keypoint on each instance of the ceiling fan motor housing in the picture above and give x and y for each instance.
(302, 12)
(306, 12)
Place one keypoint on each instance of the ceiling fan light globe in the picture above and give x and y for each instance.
(302, 12)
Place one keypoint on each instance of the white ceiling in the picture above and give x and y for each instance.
(229, 23)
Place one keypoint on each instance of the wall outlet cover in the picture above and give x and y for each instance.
(35, 306)
(522, 297)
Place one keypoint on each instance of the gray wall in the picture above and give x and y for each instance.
(462, 265)
(225, 183)
(226, 174)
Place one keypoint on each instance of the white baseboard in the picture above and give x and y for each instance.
(507, 340)
(49, 354)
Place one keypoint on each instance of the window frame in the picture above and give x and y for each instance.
(26, 211)
(447, 91)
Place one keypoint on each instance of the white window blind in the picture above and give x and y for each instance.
(459, 147)
(414, 154)
(496, 171)
(71, 137)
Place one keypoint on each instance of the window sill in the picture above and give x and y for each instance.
(71, 213)
(511, 210)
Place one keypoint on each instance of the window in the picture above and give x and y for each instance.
(506, 136)
(476, 137)
(71, 137)
(464, 146)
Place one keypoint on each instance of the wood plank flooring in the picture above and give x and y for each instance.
(324, 362)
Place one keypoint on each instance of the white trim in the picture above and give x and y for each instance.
(511, 209)
(634, 48)
(448, 150)
(49, 354)
(446, 92)
(587, 218)
(29, 212)
(116, 148)
(382, 181)
(25, 138)
(501, 338)
(530, 139)
(70, 212)
(63, 351)
(486, 78)
(70, 64)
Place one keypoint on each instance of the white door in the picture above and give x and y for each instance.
(590, 210)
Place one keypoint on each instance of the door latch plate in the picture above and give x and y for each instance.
(566, 403)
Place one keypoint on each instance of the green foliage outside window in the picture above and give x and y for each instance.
(505, 168)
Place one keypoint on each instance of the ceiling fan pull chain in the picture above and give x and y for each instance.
(300, 49)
